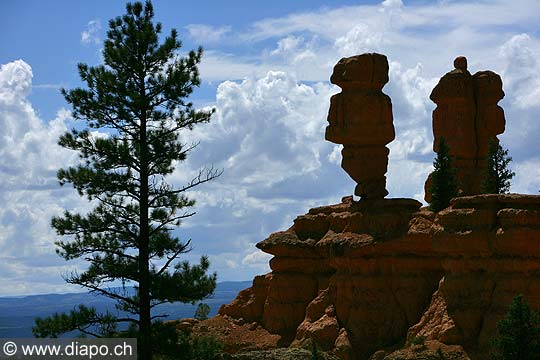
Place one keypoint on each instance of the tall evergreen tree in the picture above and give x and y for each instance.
(443, 179)
(138, 99)
(498, 175)
(518, 335)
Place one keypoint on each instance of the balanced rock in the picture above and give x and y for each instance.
(360, 118)
(468, 118)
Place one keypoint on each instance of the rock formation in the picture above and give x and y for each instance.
(489, 246)
(363, 279)
(430, 350)
(360, 118)
(359, 278)
(353, 277)
(468, 118)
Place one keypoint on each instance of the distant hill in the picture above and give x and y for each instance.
(17, 314)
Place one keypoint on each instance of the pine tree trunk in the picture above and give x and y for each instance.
(145, 340)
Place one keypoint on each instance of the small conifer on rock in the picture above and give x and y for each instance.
(498, 175)
(518, 333)
(443, 179)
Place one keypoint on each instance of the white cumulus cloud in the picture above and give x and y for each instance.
(522, 71)
(29, 192)
(91, 34)
(206, 33)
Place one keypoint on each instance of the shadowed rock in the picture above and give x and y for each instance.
(468, 118)
(360, 118)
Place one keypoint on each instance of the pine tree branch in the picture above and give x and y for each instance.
(117, 252)
(131, 320)
(160, 302)
(115, 205)
(101, 291)
(184, 248)
(159, 316)
(211, 174)
(108, 229)
(181, 154)
(172, 220)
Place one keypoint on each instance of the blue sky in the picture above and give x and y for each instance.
(266, 68)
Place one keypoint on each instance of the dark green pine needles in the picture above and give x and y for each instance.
(443, 179)
(137, 100)
(518, 335)
(498, 175)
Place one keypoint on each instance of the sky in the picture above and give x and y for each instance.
(266, 69)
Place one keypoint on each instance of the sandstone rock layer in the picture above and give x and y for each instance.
(353, 277)
(489, 246)
(358, 277)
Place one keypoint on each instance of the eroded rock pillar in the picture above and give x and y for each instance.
(360, 118)
(468, 118)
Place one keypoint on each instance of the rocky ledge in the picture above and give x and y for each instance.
(363, 279)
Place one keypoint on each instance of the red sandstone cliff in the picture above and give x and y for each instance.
(359, 277)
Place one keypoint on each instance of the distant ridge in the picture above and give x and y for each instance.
(17, 313)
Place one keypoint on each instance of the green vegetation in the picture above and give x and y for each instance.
(291, 353)
(202, 312)
(137, 102)
(84, 319)
(518, 335)
(443, 179)
(419, 340)
(172, 344)
(315, 355)
(498, 176)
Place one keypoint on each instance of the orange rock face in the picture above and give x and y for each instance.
(358, 277)
(489, 246)
(320, 323)
(249, 303)
(468, 118)
(236, 335)
(353, 276)
(360, 118)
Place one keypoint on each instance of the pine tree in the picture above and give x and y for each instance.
(138, 101)
(443, 179)
(518, 333)
(498, 176)
(202, 312)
